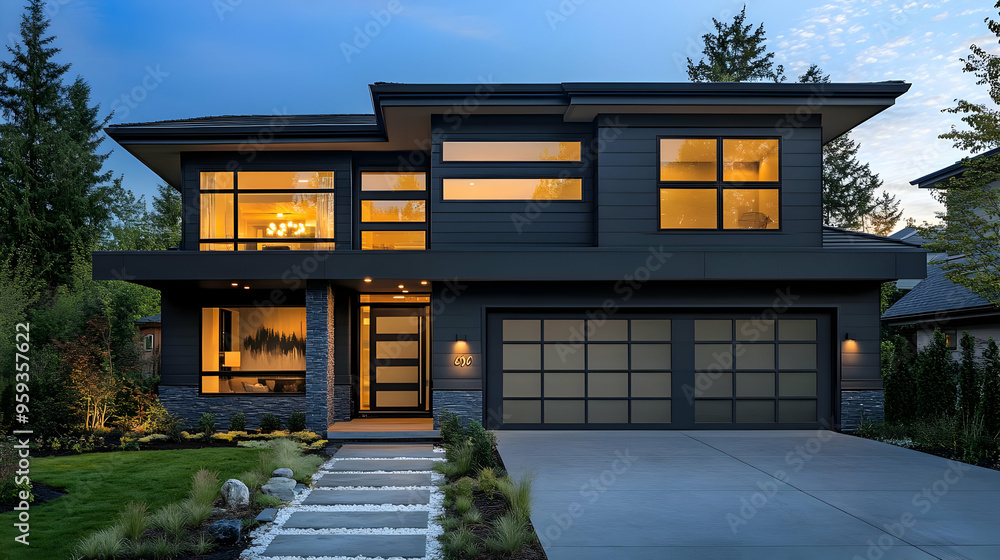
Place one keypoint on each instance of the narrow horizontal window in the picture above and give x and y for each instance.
(393, 210)
(286, 216)
(688, 209)
(284, 244)
(216, 181)
(750, 160)
(750, 208)
(285, 180)
(394, 298)
(390, 181)
(393, 240)
(510, 151)
(688, 159)
(513, 189)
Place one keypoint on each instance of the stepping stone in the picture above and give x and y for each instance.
(386, 546)
(384, 465)
(374, 479)
(357, 520)
(375, 451)
(366, 497)
(267, 515)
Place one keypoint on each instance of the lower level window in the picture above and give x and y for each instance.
(393, 240)
(699, 208)
(253, 349)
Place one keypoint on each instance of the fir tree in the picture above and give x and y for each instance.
(735, 53)
(991, 389)
(900, 381)
(968, 379)
(935, 380)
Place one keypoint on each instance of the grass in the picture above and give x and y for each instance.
(134, 520)
(265, 501)
(948, 436)
(197, 512)
(100, 485)
(518, 494)
(460, 544)
(287, 453)
(172, 519)
(205, 486)
(459, 460)
(510, 533)
(253, 479)
(104, 544)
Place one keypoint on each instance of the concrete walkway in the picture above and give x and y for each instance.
(368, 501)
(751, 495)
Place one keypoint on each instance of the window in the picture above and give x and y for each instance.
(397, 203)
(510, 151)
(147, 343)
(267, 210)
(253, 350)
(513, 189)
(692, 196)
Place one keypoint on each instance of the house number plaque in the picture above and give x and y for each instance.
(464, 360)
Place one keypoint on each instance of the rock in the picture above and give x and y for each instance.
(235, 494)
(281, 488)
(282, 473)
(226, 531)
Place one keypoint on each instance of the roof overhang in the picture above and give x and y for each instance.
(935, 179)
(402, 119)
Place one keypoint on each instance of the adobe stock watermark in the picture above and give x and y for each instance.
(365, 34)
(563, 11)
(590, 492)
(132, 98)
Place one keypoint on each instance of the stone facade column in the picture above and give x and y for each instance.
(319, 354)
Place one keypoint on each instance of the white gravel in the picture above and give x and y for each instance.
(262, 536)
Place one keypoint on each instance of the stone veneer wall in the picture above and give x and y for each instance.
(855, 405)
(189, 405)
(319, 355)
(341, 396)
(468, 405)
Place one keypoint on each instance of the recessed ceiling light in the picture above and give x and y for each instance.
(246, 287)
(368, 280)
(406, 291)
(303, 180)
(234, 284)
(423, 282)
(400, 286)
(471, 184)
(398, 297)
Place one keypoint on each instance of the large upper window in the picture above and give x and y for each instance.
(513, 189)
(719, 183)
(510, 151)
(393, 211)
(253, 349)
(267, 210)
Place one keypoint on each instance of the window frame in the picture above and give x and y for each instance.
(399, 196)
(202, 373)
(719, 184)
(149, 342)
(480, 140)
(236, 240)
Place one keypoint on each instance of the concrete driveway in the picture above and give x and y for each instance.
(768, 495)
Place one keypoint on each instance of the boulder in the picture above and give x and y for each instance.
(235, 494)
(280, 487)
(226, 531)
(283, 473)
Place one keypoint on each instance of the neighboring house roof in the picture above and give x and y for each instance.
(931, 180)
(148, 320)
(936, 295)
(839, 237)
(910, 235)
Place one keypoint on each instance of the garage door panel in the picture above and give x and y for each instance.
(565, 384)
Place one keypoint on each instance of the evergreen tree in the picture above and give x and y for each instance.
(735, 53)
(53, 194)
(972, 207)
(166, 217)
(899, 377)
(991, 389)
(968, 379)
(936, 390)
(883, 215)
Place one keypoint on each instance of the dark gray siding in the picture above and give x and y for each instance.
(497, 224)
(628, 196)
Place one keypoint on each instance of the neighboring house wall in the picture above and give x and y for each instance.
(981, 334)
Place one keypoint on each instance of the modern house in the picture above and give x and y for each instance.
(533, 256)
(939, 303)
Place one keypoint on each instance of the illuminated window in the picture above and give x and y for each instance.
(393, 240)
(722, 202)
(513, 189)
(388, 181)
(510, 151)
(253, 350)
(688, 159)
(393, 210)
(260, 211)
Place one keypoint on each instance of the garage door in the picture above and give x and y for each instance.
(658, 371)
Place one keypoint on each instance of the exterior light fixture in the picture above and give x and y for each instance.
(368, 280)
(423, 282)
(460, 337)
(246, 287)
(234, 284)
(847, 336)
(400, 286)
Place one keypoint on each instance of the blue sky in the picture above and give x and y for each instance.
(188, 58)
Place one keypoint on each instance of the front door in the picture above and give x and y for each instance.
(396, 370)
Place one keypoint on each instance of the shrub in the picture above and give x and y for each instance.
(205, 486)
(286, 453)
(206, 424)
(459, 460)
(297, 422)
(197, 512)
(900, 381)
(510, 533)
(460, 544)
(451, 428)
(171, 519)
(991, 390)
(483, 443)
(104, 544)
(463, 504)
(487, 481)
(518, 494)
(161, 421)
(238, 422)
(472, 517)
(134, 520)
(970, 390)
(253, 479)
(269, 423)
(265, 501)
(936, 391)
(160, 548)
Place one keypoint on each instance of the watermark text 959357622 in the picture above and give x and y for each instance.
(22, 373)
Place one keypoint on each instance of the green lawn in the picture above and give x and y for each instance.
(98, 484)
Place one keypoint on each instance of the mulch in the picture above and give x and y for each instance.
(43, 493)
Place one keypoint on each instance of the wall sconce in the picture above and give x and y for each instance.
(460, 337)
(847, 336)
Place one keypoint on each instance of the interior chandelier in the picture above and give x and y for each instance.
(286, 229)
